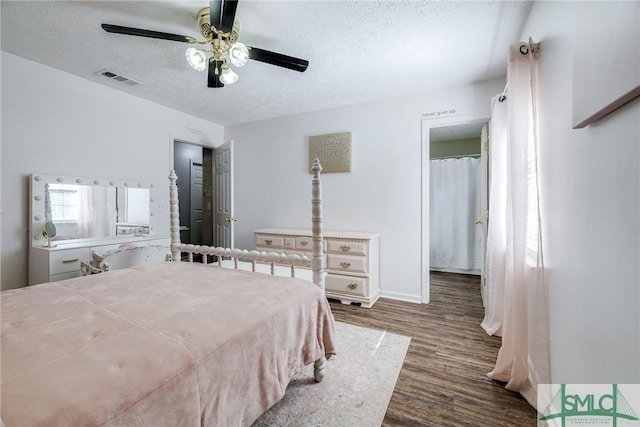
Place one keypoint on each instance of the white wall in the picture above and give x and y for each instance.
(381, 194)
(57, 123)
(591, 203)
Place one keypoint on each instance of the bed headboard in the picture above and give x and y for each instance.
(317, 260)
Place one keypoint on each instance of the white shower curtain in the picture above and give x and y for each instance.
(455, 241)
(517, 301)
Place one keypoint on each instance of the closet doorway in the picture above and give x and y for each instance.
(193, 165)
(454, 197)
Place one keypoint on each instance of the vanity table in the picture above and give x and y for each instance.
(63, 261)
(88, 214)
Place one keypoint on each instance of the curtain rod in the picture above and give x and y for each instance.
(534, 48)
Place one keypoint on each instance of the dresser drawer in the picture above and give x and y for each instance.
(67, 260)
(304, 243)
(270, 241)
(347, 263)
(289, 243)
(347, 248)
(346, 284)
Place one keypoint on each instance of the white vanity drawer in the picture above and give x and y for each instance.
(349, 263)
(67, 260)
(347, 248)
(270, 241)
(160, 242)
(102, 249)
(346, 284)
(65, 276)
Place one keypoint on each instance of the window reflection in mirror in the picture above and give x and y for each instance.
(81, 211)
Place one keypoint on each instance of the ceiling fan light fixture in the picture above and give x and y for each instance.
(238, 54)
(197, 58)
(228, 76)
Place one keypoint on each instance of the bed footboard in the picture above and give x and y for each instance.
(253, 257)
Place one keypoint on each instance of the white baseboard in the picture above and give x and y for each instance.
(417, 299)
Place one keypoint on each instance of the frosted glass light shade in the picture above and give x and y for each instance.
(238, 54)
(228, 76)
(196, 58)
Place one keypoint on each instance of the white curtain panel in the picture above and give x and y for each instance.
(455, 242)
(518, 278)
(496, 232)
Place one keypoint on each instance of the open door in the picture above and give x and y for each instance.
(224, 219)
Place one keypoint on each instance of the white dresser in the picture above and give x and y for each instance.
(63, 261)
(351, 259)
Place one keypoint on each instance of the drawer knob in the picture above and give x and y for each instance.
(69, 261)
(345, 264)
(345, 248)
(352, 286)
(268, 242)
(304, 243)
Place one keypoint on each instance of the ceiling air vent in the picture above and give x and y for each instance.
(120, 78)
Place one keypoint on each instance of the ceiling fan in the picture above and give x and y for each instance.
(220, 29)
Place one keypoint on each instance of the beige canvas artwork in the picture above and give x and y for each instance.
(333, 150)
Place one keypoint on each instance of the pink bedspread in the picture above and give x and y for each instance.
(174, 344)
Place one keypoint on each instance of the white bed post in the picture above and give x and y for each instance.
(174, 215)
(317, 257)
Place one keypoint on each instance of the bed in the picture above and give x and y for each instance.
(175, 343)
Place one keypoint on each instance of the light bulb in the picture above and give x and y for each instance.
(196, 58)
(238, 54)
(228, 76)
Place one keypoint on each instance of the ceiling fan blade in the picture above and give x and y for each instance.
(215, 13)
(222, 13)
(146, 33)
(214, 79)
(228, 15)
(278, 59)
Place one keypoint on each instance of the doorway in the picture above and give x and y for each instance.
(193, 165)
(445, 140)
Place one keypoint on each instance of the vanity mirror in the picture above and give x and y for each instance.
(49, 232)
(88, 208)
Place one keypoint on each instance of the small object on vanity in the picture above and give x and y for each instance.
(49, 232)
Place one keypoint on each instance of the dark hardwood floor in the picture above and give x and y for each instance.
(443, 380)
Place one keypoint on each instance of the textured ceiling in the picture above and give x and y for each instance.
(358, 50)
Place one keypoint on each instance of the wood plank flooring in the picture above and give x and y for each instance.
(443, 380)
